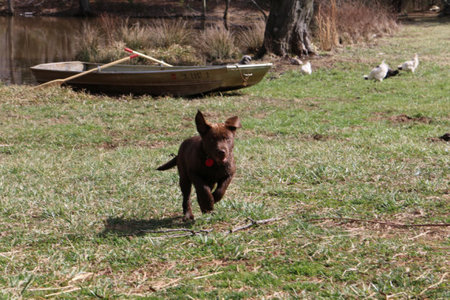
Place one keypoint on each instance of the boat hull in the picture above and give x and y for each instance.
(153, 80)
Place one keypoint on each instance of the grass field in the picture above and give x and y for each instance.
(330, 157)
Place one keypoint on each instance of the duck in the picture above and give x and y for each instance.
(306, 68)
(379, 72)
(410, 65)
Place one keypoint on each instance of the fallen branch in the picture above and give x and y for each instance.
(254, 223)
(191, 231)
(69, 290)
(380, 222)
(208, 275)
(435, 285)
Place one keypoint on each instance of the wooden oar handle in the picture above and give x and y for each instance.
(61, 81)
(101, 67)
(148, 57)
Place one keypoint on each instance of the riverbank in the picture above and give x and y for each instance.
(240, 12)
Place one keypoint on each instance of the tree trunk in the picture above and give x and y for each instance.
(287, 29)
(203, 16)
(445, 10)
(84, 8)
(10, 7)
(225, 14)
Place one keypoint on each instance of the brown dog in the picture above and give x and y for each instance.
(204, 161)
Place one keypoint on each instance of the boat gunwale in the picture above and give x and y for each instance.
(122, 68)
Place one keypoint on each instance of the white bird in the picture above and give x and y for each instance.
(410, 65)
(435, 8)
(378, 73)
(306, 68)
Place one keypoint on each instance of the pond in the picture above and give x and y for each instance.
(28, 41)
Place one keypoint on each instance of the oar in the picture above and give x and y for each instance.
(61, 81)
(148, 57)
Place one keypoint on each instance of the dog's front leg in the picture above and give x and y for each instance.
(222, 186)
(204, 196)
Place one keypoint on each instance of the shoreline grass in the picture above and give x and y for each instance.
(337, 23)
(80, 197)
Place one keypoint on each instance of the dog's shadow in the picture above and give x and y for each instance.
(133, 227)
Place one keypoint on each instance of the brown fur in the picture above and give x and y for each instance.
(213, 146)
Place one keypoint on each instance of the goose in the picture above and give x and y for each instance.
(306, 68)
(245, 60)
(378, 73)
(410, 65)
(391, 73)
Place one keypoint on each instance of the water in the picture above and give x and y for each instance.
(25, 42)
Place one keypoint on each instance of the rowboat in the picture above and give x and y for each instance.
(153, 80)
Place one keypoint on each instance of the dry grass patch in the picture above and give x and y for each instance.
(350, 21)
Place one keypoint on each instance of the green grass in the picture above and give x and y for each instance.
(80, 197)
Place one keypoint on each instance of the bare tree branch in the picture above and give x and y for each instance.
(380, 222)
(260, 9)
(254, 223)
(192, 232)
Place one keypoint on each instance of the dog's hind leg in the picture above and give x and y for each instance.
(186, 185)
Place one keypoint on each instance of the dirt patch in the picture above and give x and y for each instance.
(319, 137)
(403, 118)
(407, 119)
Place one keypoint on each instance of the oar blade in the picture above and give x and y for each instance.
(56, 82)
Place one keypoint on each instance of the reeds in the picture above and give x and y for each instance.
(250, 40)
(351, 21)
(217, 44)
(174, 41)
(337, 22)
(326, 24)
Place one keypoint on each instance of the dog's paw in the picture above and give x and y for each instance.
(188, 217)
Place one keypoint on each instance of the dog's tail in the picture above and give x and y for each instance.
(170, 164)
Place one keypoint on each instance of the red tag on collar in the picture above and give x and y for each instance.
(209, 162)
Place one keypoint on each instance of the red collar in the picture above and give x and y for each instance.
(209, 162)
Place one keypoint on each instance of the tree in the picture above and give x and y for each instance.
(10, 7)
(445, 11)
(225, 14)
(84, 8)
(287, 29)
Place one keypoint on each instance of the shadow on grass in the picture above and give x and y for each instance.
(99, 92)
(126, 227)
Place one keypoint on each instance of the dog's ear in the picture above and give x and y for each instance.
(233, 123)
(203, 126)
